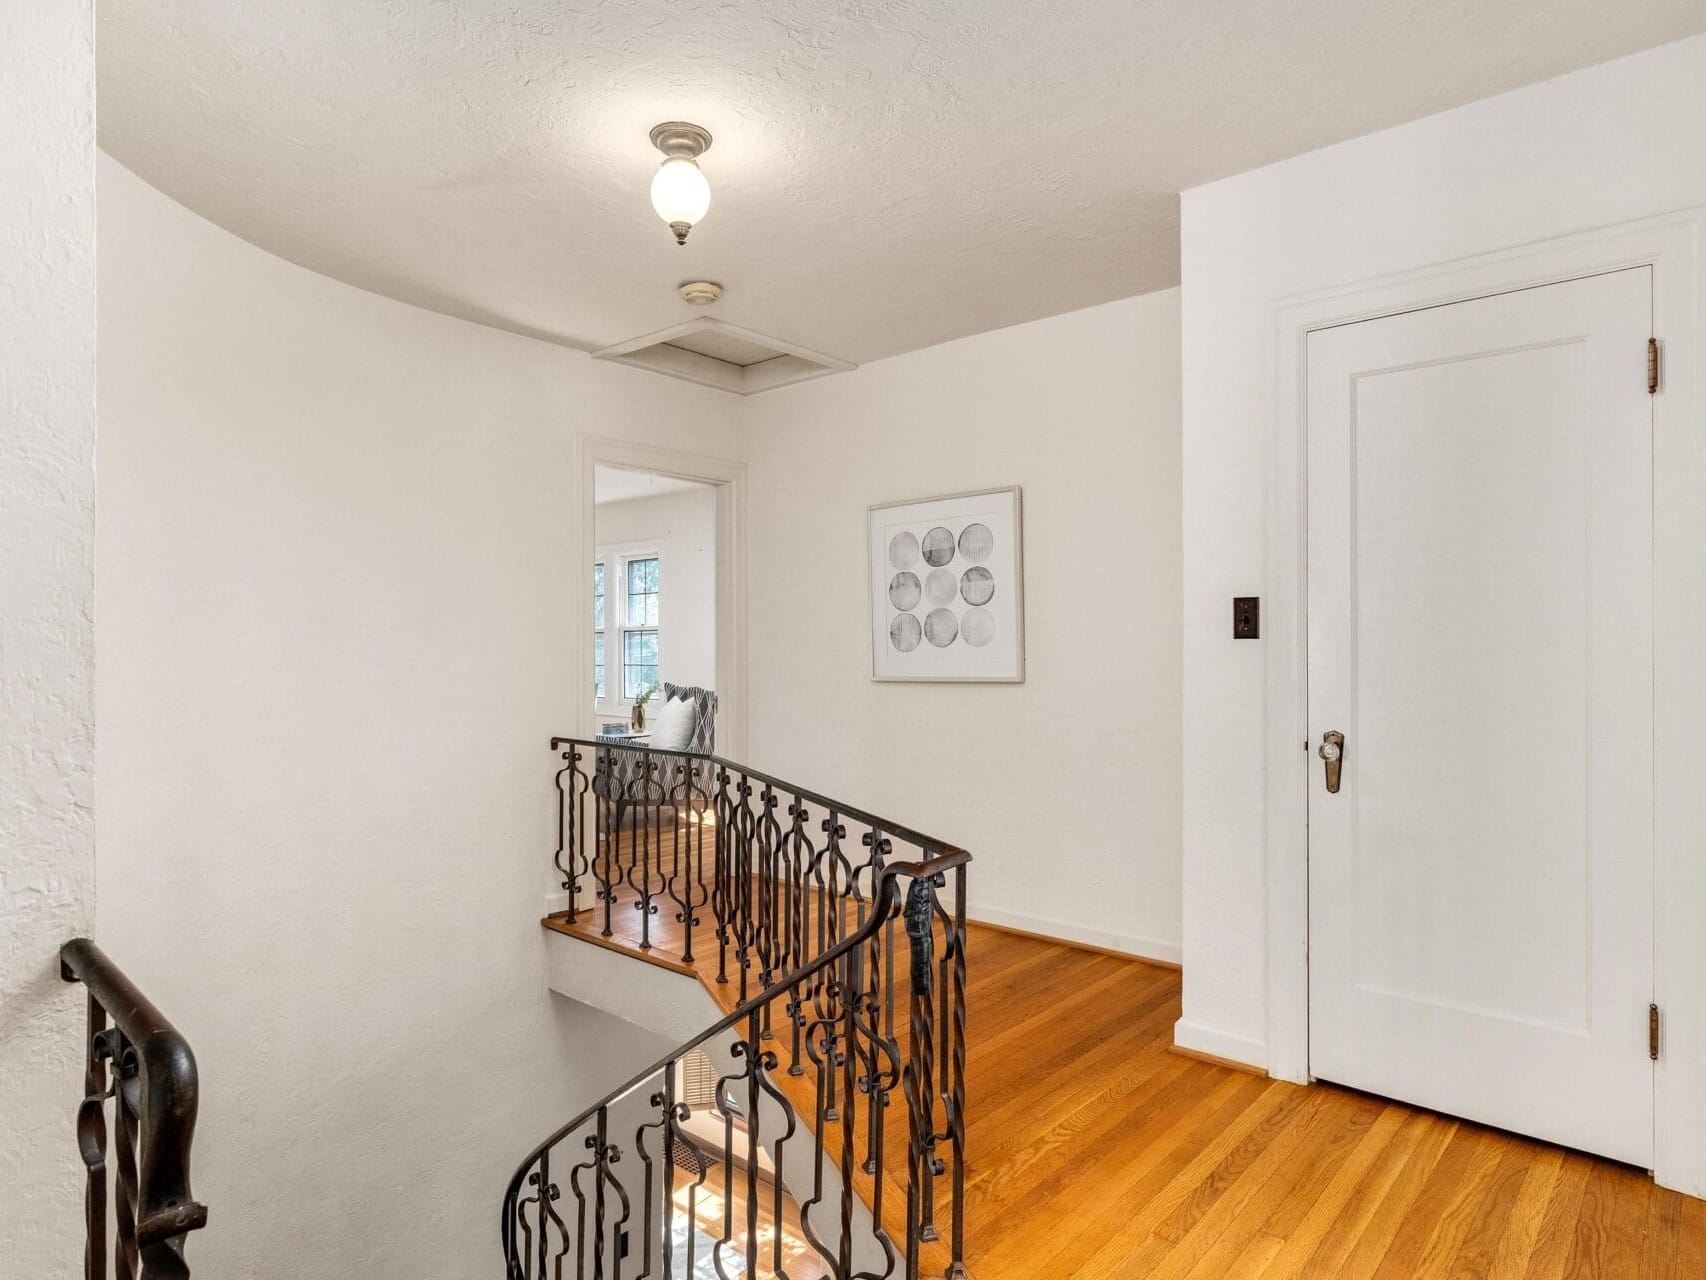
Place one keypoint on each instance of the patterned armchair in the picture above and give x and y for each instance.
(635, 775)
(703, 739)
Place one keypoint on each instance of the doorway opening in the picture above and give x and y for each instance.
(655, 633)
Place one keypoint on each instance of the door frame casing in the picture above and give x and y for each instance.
(1671, 246)
(728, 475)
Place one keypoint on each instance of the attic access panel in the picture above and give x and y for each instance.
(716, 354)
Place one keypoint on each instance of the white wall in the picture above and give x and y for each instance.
(682, 529)
(47, 538)
(336, 547)
(1600, 147)
(1064, 788)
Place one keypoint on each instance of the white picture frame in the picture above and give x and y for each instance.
(947, 588)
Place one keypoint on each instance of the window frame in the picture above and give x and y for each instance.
(600, 664)
(632, 628)
(615, 559)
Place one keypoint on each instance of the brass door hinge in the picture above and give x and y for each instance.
(1652, 366)
(1653, 1032)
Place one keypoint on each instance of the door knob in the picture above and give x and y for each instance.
(1333, 753)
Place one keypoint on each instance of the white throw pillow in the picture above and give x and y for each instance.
(674, 725)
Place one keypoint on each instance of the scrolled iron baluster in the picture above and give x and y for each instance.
(571, 827)
(523, 1270)
(680, 1138)
(953, 1081)
(769, 932)
(801, 859)
(544, 1199)
(677, 879)
(873, 1047)
(598, 1142)
(128, 1259)
(833, 878)
(759, 1058)
(687, 887)
(920, 1075)
(722, 884)
(663, 1102)
(778, 1157)
(589, 1165)
(745, 916)
(820, 1038)
(878, 999)
(849, 1119)
(744, 1052)
(613, 1157)
(607, 787)
(645, 795)
(92, 1143)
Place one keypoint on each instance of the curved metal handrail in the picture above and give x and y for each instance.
(905, 834)
(155, 1091)
(887, 898)
(767, 862)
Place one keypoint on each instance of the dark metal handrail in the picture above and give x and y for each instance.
(803, 895)
(146, 1068)
(888, 897)
(905, 834)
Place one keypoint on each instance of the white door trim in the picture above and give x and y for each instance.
(729, 476)
(1671, 245)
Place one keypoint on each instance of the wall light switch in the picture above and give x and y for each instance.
(1246, 617)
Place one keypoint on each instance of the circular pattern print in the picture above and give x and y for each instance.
(903, 550)
(976, 542)
(977, 585)
(940, 627)
(904, 590)
(939, 587)
(938, 547)
(977, 628)
(905, 633)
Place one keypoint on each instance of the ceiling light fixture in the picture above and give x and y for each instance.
(680, 193)
(701, 293)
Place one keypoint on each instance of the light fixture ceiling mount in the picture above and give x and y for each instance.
(680, 193)
(701, 293)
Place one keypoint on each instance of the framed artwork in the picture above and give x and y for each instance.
(947, 588)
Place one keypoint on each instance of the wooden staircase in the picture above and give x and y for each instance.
(664, 949)
(1093, 1149)
(833, 940)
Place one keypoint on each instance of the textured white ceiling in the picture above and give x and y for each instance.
(886, 173)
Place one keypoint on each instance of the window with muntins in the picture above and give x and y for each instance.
(640, 627)
(598, 631)
(624, 624)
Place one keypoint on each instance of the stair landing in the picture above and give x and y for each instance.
(1094, 1150)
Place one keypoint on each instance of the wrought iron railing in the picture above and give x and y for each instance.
(136, 1060)
(800, 1164)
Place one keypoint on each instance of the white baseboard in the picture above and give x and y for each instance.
(1220, 1044)
(555, 902)
(1124, 943)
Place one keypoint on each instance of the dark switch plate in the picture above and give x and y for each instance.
(1246, 617)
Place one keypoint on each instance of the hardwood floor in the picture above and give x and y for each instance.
(1096, 1151)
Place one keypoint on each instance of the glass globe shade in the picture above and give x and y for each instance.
(680, 192)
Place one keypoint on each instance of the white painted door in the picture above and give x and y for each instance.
(1480, 631)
